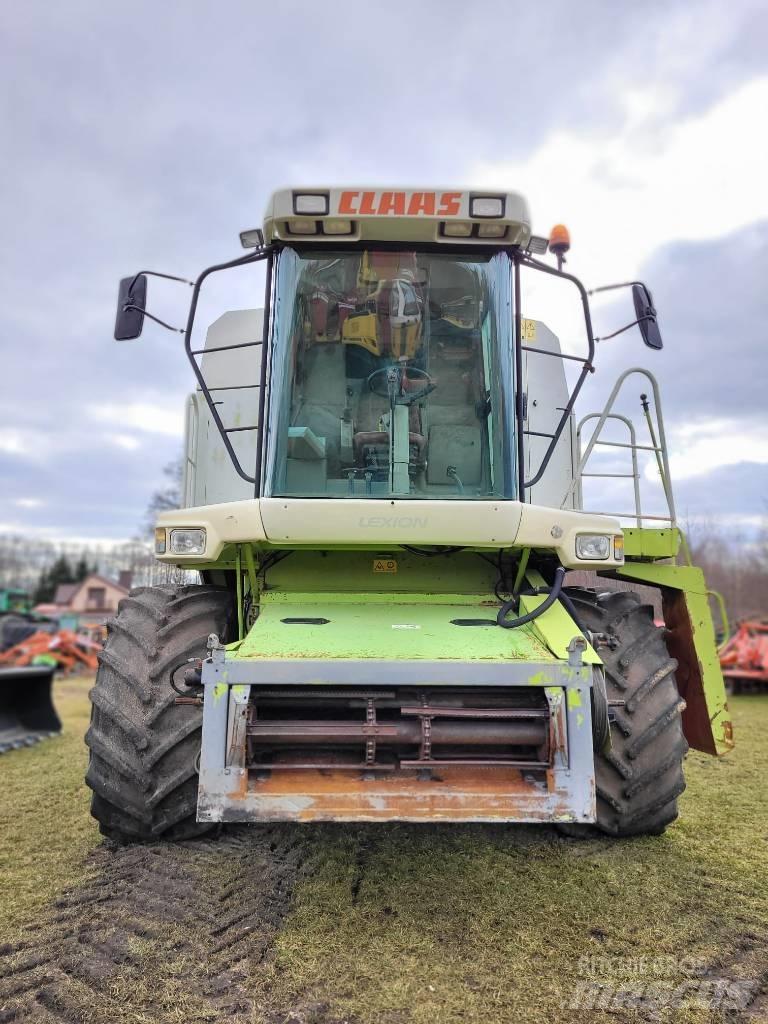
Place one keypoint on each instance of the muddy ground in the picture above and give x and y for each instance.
(157, 932)
(394, 924)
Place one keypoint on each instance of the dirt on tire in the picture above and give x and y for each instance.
(158, 932)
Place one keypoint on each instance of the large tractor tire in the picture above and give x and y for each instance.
(144, 747)
(640, 778)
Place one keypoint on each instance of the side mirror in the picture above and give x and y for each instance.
(131, 303)
(646, 316)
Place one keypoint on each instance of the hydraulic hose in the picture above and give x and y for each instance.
(552, 596)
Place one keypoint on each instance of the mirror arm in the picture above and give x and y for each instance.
(607, 337)
(168, 327)
(612, 287)
(155, 273)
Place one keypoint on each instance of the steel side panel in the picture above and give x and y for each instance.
(380, 672)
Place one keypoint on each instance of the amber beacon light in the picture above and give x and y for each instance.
(559, 243)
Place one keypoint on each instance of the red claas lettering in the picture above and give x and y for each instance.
(398, 204)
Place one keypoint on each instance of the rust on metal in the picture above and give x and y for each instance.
(452, 794)
(690, 683)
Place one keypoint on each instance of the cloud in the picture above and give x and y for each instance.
(126, 441)
(143, 416)
(149, 136)
(15, 442)
(624, 193)
(702, 448)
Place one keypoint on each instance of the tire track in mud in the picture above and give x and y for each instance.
(171, 931)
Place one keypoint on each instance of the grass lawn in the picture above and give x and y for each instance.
(45, 828)
(441, 924)
(477, 923)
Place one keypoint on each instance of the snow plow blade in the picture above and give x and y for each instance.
(27, 714)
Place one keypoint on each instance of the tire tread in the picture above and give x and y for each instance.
(143, 746)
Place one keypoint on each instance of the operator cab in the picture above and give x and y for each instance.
(391, 374)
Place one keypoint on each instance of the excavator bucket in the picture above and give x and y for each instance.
(27, 714)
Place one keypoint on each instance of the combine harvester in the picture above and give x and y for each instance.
(383, 496)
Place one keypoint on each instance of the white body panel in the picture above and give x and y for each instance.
(371, 523)
(209, 476)
(547, 394)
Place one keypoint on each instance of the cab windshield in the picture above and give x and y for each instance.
(391, 375)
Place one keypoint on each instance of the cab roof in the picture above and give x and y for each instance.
(325, 214)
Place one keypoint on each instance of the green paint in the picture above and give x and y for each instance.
(719, 600)
(219, 691)
(574, 698)
(690, 581)
(388, 630)
(579, 719)
(239, 597)
(540, 679)
(351, 572)
(555, 627)
(642, 542)
(485, 606)
(251, 565)
(521, 570)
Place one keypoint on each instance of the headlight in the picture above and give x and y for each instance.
(187, 542)
(592, 546)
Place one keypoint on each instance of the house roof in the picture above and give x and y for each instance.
(47, 609)
(65, 592)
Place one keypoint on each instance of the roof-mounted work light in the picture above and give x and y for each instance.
(486, 206)
(311, 203)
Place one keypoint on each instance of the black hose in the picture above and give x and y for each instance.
(552, 596)
(570, 607)
(426, 553)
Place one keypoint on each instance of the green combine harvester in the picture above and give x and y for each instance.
(382, 497)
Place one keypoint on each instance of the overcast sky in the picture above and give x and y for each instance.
(148, 135)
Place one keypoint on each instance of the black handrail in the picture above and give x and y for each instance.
(525, 260)
(254, 257)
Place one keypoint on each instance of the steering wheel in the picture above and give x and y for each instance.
(392, 383)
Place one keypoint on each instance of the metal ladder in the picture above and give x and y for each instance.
(658, 446)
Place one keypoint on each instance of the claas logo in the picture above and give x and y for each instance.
(400, 204)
